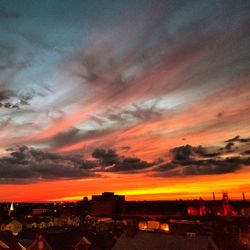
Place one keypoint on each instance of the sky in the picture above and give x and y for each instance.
(149, 99)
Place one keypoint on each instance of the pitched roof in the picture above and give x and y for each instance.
(63, 240)
(57, 239)
(7, 238)
(45, 243)
(153, 241)
(27, 236)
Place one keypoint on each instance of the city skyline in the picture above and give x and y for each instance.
(148, 99)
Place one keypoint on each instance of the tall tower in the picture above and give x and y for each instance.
(213, 196)
(243, 196)
(11, 210)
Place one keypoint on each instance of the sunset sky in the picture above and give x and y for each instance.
(150, 99)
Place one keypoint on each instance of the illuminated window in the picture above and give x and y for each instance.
(164, 227)
(143, 225)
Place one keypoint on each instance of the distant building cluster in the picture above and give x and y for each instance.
(224, 208)
(109, 222)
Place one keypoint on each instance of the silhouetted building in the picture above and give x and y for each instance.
(37, 211)
(13, 225)
(108, 204)
(192, 211)
(151, 240)
(227, 208)
(202, 207)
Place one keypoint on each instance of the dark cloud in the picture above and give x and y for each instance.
(27, 165)
(188, 160)
(112, 162)
(238, 139)
(125, 148)
(189, 152)
(6, 95)
(201, 167)
(11, 100)
(229, 146)
(182, 153)
(236, 144)
(131, 165)
(24, 100)
(71, 136)
(244, 140)
(233, 139)
(75, 135)
(247, 152)
(106, 157)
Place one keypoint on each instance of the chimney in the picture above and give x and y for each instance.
(213, 196)
(132, 228)
(243, 196)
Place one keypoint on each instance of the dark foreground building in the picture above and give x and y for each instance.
(151, 240)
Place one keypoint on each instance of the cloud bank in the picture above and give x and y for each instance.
(27, 165)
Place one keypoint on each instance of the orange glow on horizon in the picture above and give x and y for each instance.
(150, 188)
